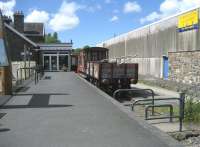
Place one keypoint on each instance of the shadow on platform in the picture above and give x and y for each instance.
(37, 101)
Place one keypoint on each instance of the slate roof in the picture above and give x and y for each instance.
(34, 28)
(20, 35)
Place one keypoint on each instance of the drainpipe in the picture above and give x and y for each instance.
(25, 51)
(58, 56)
(69, 61)
(29, 62)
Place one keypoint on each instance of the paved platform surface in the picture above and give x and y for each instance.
(64, 111)
(4, 99)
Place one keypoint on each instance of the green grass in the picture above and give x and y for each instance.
(164, 110)
(192, 111)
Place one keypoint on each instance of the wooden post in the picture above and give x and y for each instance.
(5, 81)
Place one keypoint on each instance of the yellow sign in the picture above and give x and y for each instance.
(188, 19)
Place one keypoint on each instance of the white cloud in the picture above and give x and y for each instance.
(151, 17)
(66, 18)
(37, 16)
(7, 7)
(170, 7)
(132, 7)
(114, 18)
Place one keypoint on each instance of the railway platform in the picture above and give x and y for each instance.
(63, 110)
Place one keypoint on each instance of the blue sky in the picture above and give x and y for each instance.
(88, 22)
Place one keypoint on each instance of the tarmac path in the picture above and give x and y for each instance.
(64, 111)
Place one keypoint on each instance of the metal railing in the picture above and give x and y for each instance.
(137, 90)
(24, 74)
(39, 73)
(181, 101)
(170, 106)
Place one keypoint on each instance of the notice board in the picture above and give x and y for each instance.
(189, 20)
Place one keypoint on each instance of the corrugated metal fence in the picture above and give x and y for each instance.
(150, 43)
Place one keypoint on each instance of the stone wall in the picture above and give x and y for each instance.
(184, 67)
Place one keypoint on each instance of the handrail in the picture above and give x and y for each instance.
(38, 70)
(136, 90)
(157, 99)
(181, 100)
(24, 70)
(161, 105)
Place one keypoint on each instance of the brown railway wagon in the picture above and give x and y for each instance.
(112, 75)
(104, 74)
(90, 54)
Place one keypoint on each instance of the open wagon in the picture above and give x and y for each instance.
(112, 75)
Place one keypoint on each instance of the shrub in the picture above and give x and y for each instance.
(192, 111)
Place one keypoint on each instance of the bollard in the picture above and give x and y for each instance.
(153, 103)
(35, 77)
(17, 76)
(21, 76)
(171, 114)
(181, 110)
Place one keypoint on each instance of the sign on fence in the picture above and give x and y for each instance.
(188, 21)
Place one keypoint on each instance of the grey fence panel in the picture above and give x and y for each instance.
(151, 43)
(149, 67)
(187, 40)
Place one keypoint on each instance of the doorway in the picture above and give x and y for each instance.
(50, 63)
(165, 67)
(55, 62)
(46, 63)
(63, 62)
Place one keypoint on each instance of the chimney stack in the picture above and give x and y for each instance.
(19, 21)
(7, 19)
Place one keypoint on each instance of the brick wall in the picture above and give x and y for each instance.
(184, 67)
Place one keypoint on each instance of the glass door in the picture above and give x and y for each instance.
(63, 62)
(54, 63)
(46, 63)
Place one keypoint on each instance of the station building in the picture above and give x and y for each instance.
(168, 49)
(25, 41)
(22, 46)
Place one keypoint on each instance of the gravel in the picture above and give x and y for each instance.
(192, 142)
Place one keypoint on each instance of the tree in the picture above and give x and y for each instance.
(86, 47)
(49, 38)
(77, 50)
(55, 35)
